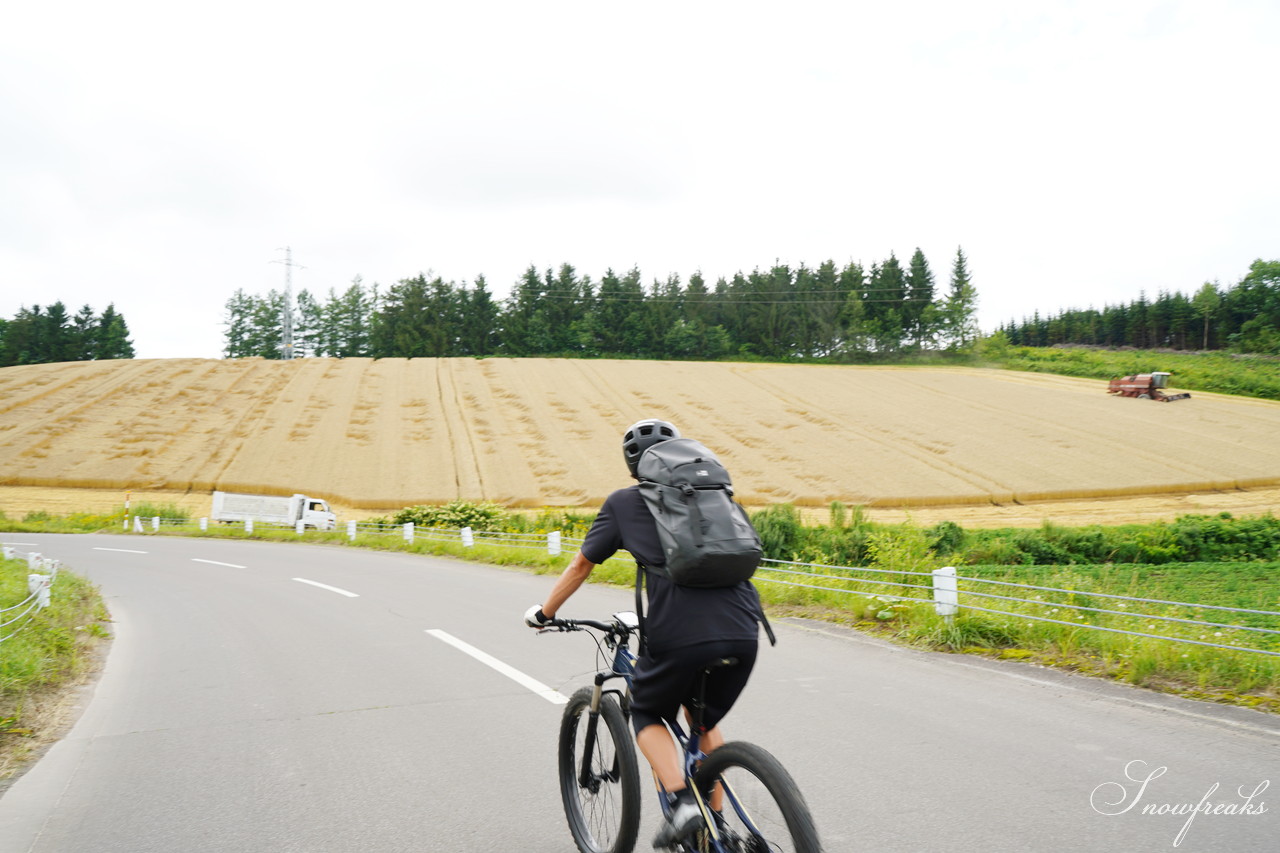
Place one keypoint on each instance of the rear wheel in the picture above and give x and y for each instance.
(603, 807)
(763, 810)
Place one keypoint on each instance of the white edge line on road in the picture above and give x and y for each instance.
(121, 550)
(555, 697)
(216, 563)
(27, 544)
(330, 588)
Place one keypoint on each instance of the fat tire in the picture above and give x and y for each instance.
(776, 780)
(621, 799)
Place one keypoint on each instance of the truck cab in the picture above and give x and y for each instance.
(316, 513)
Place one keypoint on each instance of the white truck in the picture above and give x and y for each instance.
(274, 509)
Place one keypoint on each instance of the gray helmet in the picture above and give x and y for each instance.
(642, 435)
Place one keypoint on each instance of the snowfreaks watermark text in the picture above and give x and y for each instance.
(1132, 794)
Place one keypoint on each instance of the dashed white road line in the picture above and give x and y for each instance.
(216, 563)
(121, 550)
(555, 697)
(330, 588)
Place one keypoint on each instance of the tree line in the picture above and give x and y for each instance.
(41, 335)
(784, 312)
(1244, 317)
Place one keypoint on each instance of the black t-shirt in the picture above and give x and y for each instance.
(677, 616)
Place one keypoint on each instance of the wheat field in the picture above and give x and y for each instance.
(376, 435)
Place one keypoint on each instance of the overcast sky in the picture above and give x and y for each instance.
(160, 155)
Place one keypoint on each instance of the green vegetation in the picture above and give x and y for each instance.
(150, 510)
(55, 647)
(823, 312)
(39, 335)
(1221, 373)
(76, 522)
(849, 540)
(1244, 317)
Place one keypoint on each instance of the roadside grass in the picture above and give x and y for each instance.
(55, 649)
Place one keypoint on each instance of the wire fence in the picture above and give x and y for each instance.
(1033, 603)
(41, 573)
(949, 592)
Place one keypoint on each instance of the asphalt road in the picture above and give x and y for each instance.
(277, 697)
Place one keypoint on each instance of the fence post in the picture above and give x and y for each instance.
(8, 552)
(351, 530)
(38, 585)
(299, 527)
(126, 524)
(137, 524)
(553, 542)
(204, 524)
(155, 523)
(946, 593)
(408, 532)
(248, 525)
(468, 538)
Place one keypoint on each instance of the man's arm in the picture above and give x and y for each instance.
(574, 575)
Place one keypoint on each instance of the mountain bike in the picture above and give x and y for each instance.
(749, 802)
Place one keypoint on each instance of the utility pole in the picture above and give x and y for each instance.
(286, 312)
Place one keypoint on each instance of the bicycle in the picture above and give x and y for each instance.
(761, 810)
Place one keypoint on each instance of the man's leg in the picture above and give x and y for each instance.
(659, 748)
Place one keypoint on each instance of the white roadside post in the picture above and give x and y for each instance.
(137, 524)
(299, 527)
(204, 525)
(155, 523)
(468, 538)
(38, 585)
(8, 552)
(408, 532)
(248, 525)
(946, 593)
(553, 542)
(351, 530)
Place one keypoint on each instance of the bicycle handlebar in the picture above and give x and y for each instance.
(617, 625)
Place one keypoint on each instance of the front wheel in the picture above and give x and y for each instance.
(602, 800)
(763, 810)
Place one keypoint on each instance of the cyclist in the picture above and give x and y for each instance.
(684, 629)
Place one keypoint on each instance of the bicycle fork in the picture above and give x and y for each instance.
(587, 779)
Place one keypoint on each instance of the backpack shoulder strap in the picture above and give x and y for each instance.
(764, 620)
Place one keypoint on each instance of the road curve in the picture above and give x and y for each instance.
(279, 697)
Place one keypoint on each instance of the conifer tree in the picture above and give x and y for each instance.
(113, 335)
(959, 321)
(916, 313)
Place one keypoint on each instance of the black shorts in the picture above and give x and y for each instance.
(665, 682)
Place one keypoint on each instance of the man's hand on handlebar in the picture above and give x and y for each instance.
(535, 618)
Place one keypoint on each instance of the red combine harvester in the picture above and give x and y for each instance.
(1145, 386)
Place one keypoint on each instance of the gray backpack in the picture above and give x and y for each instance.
(706, 537)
